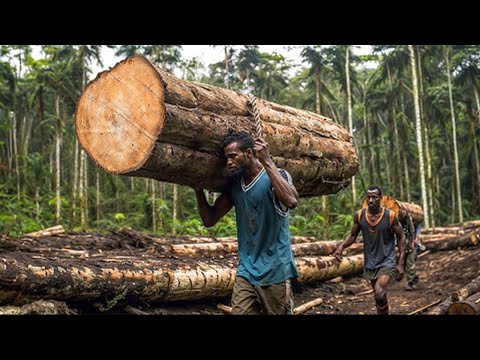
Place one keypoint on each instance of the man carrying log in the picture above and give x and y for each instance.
(379, 227)
(262, 195)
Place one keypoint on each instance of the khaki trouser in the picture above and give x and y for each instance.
(248, 299)
(411, 267)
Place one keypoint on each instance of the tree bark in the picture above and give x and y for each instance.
(469, 306)
(138, 120)
(325, 268)
(149, 278)
(55, 230)
(441, 309)
(450, 243)
(466, 291)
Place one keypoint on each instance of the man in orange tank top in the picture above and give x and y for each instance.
(379, 227)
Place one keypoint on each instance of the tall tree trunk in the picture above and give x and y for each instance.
(154, 206)
(37, 202)
(426, 142)
(174, 212)
(172, 130)
(58, 145)
(425, 138)
(418, 129)
(97, 186)
(10, 152)
(454, 137)
(404, 156)
(15, 151)
(85, 178)
(325, 212)
(350, 116)
(477, 100)
(81, 191)
(73, 219)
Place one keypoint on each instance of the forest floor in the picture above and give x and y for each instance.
(440, 273)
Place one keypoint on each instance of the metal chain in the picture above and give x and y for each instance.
(256, 114)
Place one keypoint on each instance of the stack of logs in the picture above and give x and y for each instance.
(131, 266)
(451, 237)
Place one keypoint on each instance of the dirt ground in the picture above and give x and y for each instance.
(440, 273)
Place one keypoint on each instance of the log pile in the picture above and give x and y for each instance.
(451, 237)
(124, 267)
(138, 120)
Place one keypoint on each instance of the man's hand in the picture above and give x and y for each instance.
(261, 150)
(400, 272)
(337, 254)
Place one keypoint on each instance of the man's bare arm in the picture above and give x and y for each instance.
(286, 193)
(349, 240)
(211, 214)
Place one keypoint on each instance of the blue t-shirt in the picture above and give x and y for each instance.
(263, 232)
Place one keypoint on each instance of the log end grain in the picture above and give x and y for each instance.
(120, 115)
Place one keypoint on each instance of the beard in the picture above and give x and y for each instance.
(235, 176)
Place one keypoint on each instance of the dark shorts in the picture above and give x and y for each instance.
(372, 274)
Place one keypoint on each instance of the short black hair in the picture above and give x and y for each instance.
(244, 139)
(375, 187)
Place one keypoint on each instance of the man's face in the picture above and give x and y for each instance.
(373, 199)
(237, 160)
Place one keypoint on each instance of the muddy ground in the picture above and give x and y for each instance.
(440, 273)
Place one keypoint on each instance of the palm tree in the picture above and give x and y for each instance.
(454, 137)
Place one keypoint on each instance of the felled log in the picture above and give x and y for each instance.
(429, 237)
(168, 240)
(400, 208)
(138, 120)
(469, 306)
(450, 243)
(207, 249)
(440, 309)
(318, 248)
(55, 230)
(149, 278)
(313, 269)
(467, 291)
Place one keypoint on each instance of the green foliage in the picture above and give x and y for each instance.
(383, 110)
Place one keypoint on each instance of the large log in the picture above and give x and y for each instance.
(400, 208)
(26, 276)
(313, 269)
(449, 243)
(128, 241)
(466, 291)
(469, 306)
(440, 309)
(138, 120)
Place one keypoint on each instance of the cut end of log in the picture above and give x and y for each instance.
(126, 106)
(461, 308)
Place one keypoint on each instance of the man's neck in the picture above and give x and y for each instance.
(375, 211)
(252, 172)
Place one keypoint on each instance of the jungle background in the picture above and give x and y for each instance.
(413, 110)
